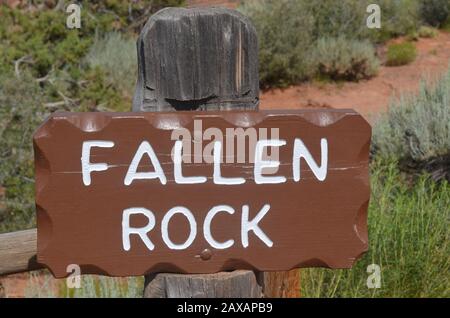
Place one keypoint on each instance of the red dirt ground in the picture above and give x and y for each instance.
(367, 97)
(372, 96)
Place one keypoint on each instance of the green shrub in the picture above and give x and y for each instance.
(284, 40)
(115, 54)
(413, 36)
(44, 37)
(288, 31)
(416, 129)
(98, 94)
(399, 17)
(343, 59)
(348, 18)
(409, 238)
(446, 25)
(337, 18)
(435, 12)
(427, 32)
(21, 112)
(401, 54)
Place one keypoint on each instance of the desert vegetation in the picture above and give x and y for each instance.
(401, 54)
(292, 33)
(46, 67)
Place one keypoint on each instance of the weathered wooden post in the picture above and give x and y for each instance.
(198, 59)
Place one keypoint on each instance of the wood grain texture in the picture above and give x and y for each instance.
(236, 284)
(18, 252)
(311, 223)
(282, 284)
(197, 59)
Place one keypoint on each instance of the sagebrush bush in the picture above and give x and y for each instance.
(446, 26)
(338, 18)
(44, 37)
(115, 55)
(401, 54)
(399, 17)
(427, 32)
(417, 127)
(435, 12)
(284, 31)
(343, 59)
(413, 36)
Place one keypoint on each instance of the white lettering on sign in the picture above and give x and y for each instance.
(207, 227)
(260, 174)
(132, 174)
(247, 226)
(86, 166)
(142, 231)
(177, 168)
(261, 164)
(218, 179)
(300, 151)
(165, 228)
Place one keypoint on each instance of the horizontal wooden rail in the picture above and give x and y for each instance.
(18, 252)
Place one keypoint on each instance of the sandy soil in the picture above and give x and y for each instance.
(367, 97)
(371, 96)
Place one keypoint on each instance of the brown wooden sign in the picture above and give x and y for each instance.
(126, 194)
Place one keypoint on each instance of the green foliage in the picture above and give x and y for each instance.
(427, 32)
(446, 26)
(284, 40)
(332, 18)
(21, 112)
(416, 128)
(409, 235)
(435, 12)
(348, 18)
(289, 30)
(96, 92)
(115, 54)
(413, 36)
(401, 54)
(343, 59)
(399, 17)
(130, 14)
(44, 37)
